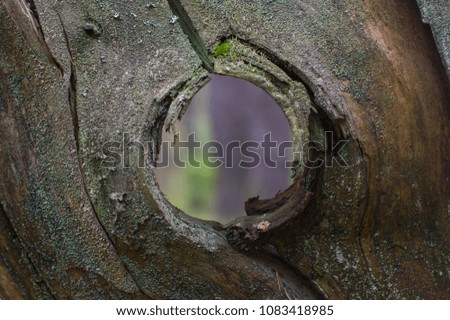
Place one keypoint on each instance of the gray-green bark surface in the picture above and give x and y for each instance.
(88, 71)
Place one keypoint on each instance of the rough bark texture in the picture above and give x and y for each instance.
(75, 74)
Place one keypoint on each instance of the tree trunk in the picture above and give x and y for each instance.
(76, 74)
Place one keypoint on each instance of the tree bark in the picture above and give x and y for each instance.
(76, 74)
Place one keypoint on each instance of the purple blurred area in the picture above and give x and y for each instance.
(225, 110)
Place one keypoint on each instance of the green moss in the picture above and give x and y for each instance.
(222, 49)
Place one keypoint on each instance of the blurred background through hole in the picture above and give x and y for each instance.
(226, 109)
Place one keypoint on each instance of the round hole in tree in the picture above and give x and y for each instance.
(232, 143)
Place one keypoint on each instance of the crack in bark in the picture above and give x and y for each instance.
(35, 18)
(363, 217)
(194, 38)
(75, 122)
(25, 15)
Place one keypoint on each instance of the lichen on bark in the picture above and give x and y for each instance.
(376, 229)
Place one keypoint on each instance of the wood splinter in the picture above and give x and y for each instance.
(264, 216)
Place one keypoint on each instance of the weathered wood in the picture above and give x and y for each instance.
(369, 71)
